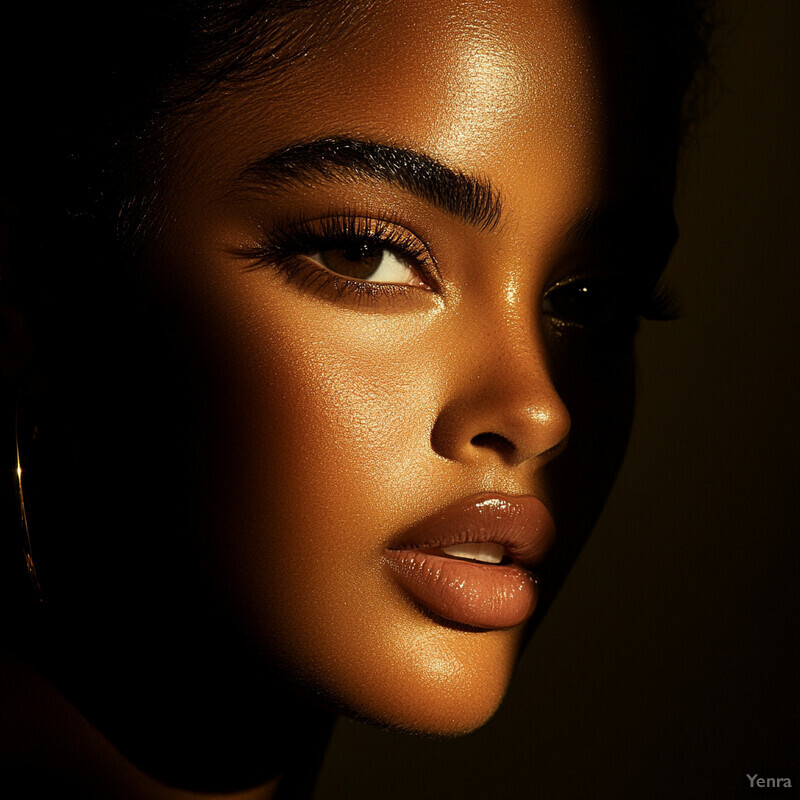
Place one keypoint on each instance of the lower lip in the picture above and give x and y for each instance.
(469, 593)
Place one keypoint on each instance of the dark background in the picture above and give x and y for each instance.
(667, 666)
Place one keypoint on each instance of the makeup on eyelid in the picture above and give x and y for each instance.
(368, 291)
(352, 253)
(372, 257)
(371, 283)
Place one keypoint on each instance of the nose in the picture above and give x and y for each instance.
(503, 404)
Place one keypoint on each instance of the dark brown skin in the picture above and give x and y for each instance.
(282, 432)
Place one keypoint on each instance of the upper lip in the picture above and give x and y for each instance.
(520, 523)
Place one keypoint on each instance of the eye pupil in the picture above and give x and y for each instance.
(363, 251)
(358, 260)
(597, 305)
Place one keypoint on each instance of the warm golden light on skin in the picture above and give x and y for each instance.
(498, 79)
(365, 309)
(308, 426)
(513, 296)
(350, 418)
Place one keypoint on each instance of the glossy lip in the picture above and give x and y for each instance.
(470, 593)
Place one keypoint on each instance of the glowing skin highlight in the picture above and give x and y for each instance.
(390, 288)
(351, 416)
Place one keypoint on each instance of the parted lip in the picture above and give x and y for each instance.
(520, 523)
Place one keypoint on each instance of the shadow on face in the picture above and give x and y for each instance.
(402, 268)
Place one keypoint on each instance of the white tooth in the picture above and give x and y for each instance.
(487, 552)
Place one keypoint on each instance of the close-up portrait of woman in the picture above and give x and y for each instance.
(322, 328)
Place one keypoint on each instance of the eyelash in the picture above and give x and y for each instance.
(283, 249)
(662, 305)
(611, 304)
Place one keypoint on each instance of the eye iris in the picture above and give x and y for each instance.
(357, 260)
(586, 304)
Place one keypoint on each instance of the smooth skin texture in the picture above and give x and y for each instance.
(315, 422)
(355, 418)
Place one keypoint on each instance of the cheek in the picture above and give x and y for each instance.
(329, 409)
(319, 454)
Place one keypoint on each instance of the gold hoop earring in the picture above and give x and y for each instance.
(30, 565)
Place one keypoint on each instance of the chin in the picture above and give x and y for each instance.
(447, 723)
(435, 681)
(448, 712)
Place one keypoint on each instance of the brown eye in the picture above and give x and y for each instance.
(367, 261)
(595, 304)
(359, 260)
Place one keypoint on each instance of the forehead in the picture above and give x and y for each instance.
(504, 90)
(471, 68)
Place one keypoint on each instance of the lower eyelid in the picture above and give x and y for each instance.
(416, 278)
(289, 248)
(310, 278)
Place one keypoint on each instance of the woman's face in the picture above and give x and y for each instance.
(425, 316)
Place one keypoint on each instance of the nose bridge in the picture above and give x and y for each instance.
(503, 400)
(513, 371)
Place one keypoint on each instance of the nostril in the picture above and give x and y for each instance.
(493, 441)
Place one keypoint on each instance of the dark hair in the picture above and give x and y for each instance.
(95, 92)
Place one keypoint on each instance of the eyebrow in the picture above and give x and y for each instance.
(468, 197)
